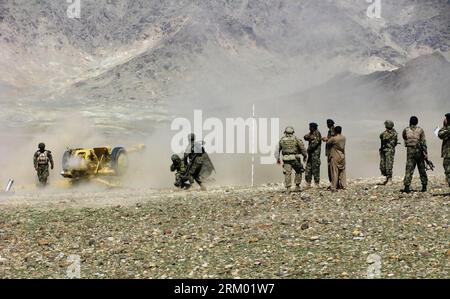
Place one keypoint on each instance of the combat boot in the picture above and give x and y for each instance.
(297, 188)
(308, 186)
(385, 181)
(407, 189)
(424, 188)
(288, 190)
(389, 182)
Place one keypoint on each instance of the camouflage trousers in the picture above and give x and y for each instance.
(312, 169)
(447, 169)
(413, 159)
(288, 166)
(387, 163)
(43, 173)
(194, 171)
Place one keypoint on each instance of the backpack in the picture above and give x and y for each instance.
(42, 158)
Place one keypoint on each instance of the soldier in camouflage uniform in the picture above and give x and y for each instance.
(331, 133)
(41, 160)
(181, 175)
(291, 148)
(389, 141)
(444, 134)
(193, 158)
(416, 154)
(314, 139)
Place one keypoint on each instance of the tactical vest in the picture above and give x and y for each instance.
(289, 145)
(42, 158)
(413, 136)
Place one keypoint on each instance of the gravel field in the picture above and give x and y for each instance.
(228, 232)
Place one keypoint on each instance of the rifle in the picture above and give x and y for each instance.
(428, 164)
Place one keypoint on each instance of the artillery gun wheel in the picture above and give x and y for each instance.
(119, 160)
(65, 160)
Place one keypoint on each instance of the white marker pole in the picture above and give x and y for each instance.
(253, 144)
(8, 187)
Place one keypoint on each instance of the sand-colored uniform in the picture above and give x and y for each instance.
(444, 134)
(328, 149)
(313, 163)
(337, 162)
(291, 148)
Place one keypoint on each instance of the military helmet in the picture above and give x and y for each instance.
(175, 158)
(389, 124)
(41, 146)
(289, 130)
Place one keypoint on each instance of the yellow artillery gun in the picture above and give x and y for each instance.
(97, 162)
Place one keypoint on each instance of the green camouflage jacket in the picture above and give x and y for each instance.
(315, 142)
(444, 134)
(389, 140)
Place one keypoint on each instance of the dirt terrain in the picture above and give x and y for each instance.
(228, 232)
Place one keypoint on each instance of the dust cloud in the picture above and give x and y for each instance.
(224, 81)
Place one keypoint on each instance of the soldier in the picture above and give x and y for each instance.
(181, 176)
(193, 157)
(314, 139)
(444, 134)
(416, 154)
(336, 145)
(291, 149)
(389, 140)
(41, 160)
(331, 133)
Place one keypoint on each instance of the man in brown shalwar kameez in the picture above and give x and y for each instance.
(337, 160)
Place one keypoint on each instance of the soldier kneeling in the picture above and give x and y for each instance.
(181, 175)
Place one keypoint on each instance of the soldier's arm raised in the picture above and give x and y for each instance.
(444, 133)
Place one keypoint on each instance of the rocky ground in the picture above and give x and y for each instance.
(228, 232)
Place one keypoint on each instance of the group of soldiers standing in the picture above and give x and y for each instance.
(196, 164)
(416, 152)
(291, 149)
